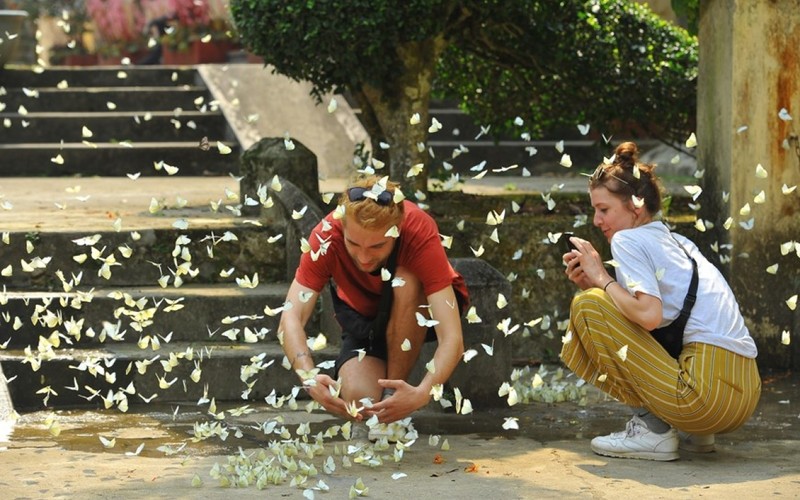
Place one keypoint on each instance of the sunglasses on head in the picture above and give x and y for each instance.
(600, 171)
(383, 199)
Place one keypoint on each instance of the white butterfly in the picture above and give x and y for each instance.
(423, 321)
(332, 105)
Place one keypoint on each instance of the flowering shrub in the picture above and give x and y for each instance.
(117, 20)
(154, 9)
(190, 14)
(194, 20)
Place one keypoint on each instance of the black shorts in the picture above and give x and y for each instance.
(356, 329)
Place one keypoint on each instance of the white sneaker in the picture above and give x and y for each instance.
(696, 443)
(637, 441)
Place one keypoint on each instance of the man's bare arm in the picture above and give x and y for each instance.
(295, 346)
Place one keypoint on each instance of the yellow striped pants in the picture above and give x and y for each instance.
(708, 390)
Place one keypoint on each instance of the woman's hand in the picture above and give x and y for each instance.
(585, 266)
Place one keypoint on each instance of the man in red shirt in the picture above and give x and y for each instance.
(393, 289)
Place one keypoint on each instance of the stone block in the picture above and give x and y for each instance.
(268, 158)
(479, 379)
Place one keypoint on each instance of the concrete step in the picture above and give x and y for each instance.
(191, 313)
(96, 99)
(101, 76)
(115, 126)
(112, 159)
(221, 366)
(150, 256)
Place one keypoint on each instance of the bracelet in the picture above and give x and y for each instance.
(607, 284)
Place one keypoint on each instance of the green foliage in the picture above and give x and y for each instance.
(336, 44)
(688, 10)
(610, 63)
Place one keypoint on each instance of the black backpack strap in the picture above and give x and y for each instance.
(671, 336)
(381, 320)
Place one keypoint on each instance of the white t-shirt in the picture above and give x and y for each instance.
(649, 260)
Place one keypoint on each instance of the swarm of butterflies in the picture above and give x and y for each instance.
(297, 457)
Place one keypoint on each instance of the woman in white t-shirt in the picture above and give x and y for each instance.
(620, 326)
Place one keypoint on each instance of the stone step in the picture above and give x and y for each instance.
(97, 99)
(115, 126)
(101, 76)
(111, 159)
(211, 248)
(501, 155)
(191, 313)
(221, 366)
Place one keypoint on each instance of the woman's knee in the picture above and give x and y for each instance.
(586, 300)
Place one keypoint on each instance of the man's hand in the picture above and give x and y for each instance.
(405, 400)
(321, 391)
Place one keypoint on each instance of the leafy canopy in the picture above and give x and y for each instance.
(611, 63)
(337, 45)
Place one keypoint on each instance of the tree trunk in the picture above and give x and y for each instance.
(390, 110)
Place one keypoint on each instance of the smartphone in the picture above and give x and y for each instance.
(568, 245)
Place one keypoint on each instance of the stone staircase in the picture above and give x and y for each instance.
(109, 121)
(100, 329)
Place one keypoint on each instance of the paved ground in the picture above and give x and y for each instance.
(548, 457)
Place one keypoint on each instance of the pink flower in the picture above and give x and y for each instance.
(116, 20)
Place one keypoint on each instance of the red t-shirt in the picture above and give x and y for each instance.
(420, 252)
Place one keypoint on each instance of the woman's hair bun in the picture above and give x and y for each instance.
(627, 154)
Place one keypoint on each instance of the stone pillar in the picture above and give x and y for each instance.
(297, 172)
(268, 158)
(749, 60)
(479, 379)
(11, 23)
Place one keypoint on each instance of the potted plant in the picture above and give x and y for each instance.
(119, 27)
(64, 27)
(199, 32)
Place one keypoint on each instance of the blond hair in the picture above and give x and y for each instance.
(370, 213)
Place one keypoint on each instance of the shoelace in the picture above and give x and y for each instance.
(630, 427)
